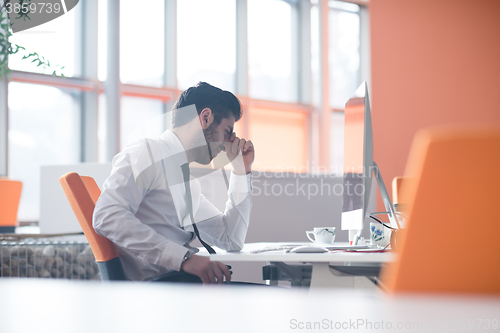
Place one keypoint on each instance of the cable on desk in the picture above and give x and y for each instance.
(381, 222)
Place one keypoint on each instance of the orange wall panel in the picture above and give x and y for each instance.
(433, 62)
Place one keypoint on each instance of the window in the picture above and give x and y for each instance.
(142, 41)
(344, 55)
(56, 40)
(272, 66)
(66, 121)
(44, 129)
(101, 129)
(315, 56)
(344, 52)
(206, 43)
(345, 71)
(140, 118)
(102, 13)
(337, 143)
(280, 137)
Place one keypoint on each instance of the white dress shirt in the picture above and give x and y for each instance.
(142, 209)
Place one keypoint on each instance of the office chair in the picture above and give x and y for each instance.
(82, 193)
(449, 245)
(10, 195)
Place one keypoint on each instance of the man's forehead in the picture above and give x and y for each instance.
(228, 122)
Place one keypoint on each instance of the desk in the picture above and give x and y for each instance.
(59, 306)
(322, 274)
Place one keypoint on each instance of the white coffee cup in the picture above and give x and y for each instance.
(322, 235)
(379, 235)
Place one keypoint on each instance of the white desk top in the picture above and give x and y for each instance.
(37, 305)
(281, 255)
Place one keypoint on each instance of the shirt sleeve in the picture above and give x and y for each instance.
(114, 216)
(227, 230)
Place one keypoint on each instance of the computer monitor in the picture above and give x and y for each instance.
(359, 167)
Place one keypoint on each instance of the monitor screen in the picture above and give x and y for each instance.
(358, 160)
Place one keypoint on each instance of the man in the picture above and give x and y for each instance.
(145, 207)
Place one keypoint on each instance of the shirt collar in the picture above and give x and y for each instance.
(176, 151)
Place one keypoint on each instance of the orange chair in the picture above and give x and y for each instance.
(10, 195)
(449, 245)
(82, 193)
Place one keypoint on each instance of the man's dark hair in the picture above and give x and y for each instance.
(203, 95)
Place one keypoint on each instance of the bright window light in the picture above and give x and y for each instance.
(142, 41)
(55, 40)
(350, 7)
(102, 39)
(271, 71)
(344, 56)
(44, 129)
(140, 118)
(206, 43)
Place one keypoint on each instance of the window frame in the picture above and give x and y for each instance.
(88, 83)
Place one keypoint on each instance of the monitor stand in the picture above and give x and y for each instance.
(389, 208)
(387, 204)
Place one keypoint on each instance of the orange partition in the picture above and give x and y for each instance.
(433, 63)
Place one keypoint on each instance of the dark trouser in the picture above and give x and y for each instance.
(184, 277)
(177, 277)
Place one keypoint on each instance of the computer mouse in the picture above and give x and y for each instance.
(308, 249)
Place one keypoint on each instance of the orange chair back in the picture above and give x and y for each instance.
(10, 195)
(449, 244)
(92, 187)
(82, 193)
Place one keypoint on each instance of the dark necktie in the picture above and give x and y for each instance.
(189, 204)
